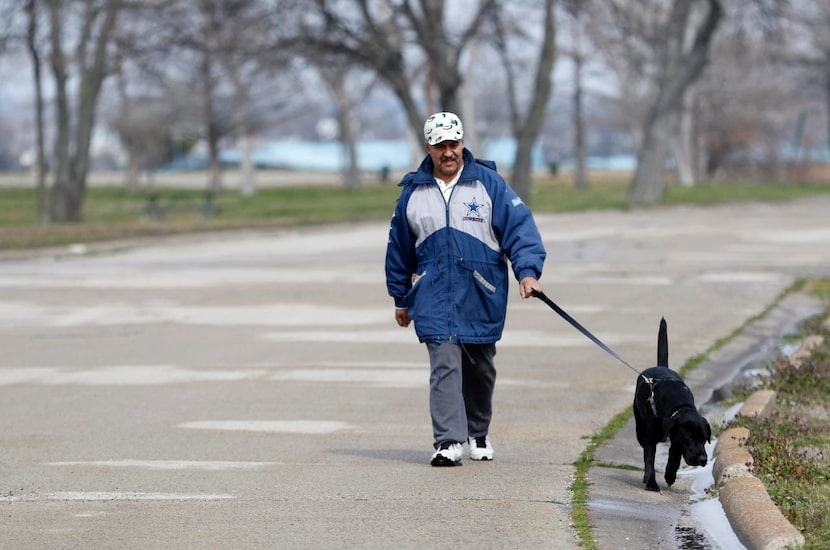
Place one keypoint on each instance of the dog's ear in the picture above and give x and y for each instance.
(707, 430)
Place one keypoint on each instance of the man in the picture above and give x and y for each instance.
(456, 224)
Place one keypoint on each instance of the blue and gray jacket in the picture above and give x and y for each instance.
(446, 261)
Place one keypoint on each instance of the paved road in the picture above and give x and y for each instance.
(251, 390)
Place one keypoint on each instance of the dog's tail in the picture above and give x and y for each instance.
(663, 345)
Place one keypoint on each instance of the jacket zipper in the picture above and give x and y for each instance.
(449, 260)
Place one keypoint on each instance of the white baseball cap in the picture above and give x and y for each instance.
(443, 127)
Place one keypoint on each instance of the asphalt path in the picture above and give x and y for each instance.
(251, 389)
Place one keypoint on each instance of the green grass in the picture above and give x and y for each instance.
(709, 194)
(580, 488)
(790, 447)
(116, 213)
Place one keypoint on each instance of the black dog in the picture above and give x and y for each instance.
(664, 407)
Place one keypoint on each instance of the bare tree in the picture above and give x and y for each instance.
(347, 92)
(76, 119)
(189, 32)
(240, 31)
(527, 125)
(576, 51)
(377, 36)
(368, 35)
(40, 147)
(146, 125)
(226, 48)
(748, 104)
(809, 40)
(676, 71)
(660, 50)
(374, 36)
(444, 46)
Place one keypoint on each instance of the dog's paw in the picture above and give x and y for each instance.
(671, 477)
(652, 486)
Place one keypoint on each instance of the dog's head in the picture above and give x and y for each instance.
(691, 431)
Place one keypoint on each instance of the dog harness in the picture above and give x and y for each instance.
(652, 382)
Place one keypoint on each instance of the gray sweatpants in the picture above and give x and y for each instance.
(461, 383)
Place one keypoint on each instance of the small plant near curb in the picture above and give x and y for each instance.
(791, 447)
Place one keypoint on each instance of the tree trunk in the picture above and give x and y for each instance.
(468, 115)
(444, 56)
(403, 90)
(677, 72)
(212, 130)
(682, 144)
(248, 183)
(40, 155)
(580, 176)
(60, 208)
(523, 165)
(131, 174)
(209, 27)
(827, 108)
(649, 183)
(528, 131)
(351, 171)
(72, 148)
(241, 124)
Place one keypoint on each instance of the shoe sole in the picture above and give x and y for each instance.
(482, 459)
(442, 461)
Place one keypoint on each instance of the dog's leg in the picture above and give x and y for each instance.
(673, 464)
(649, 450)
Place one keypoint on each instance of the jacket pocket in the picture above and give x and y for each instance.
(482, 280)
(418, 280)
(482, 298)
(420, 291)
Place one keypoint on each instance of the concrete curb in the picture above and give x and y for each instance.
(806, 348)
(756, 520)
(731, 458)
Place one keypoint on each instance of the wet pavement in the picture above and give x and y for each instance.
(251, 389)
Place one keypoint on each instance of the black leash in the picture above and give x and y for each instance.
(541, 295)
(650, 381)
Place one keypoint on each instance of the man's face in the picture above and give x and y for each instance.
(447, 157)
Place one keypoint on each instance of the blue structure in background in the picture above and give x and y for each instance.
(329, 156)
(616, 162)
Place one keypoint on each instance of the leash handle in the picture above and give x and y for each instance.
(541, 295)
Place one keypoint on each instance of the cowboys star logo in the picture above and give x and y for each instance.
(473, 208)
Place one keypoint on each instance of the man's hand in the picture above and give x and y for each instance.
(402, 317)
(527, 284)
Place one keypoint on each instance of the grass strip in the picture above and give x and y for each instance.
(116, 212)
(789, 448)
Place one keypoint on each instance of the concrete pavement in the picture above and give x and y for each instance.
(251, 390)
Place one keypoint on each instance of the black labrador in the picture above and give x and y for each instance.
(664, 407)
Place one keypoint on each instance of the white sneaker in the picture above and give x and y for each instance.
(480, 448)
(449, 454)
